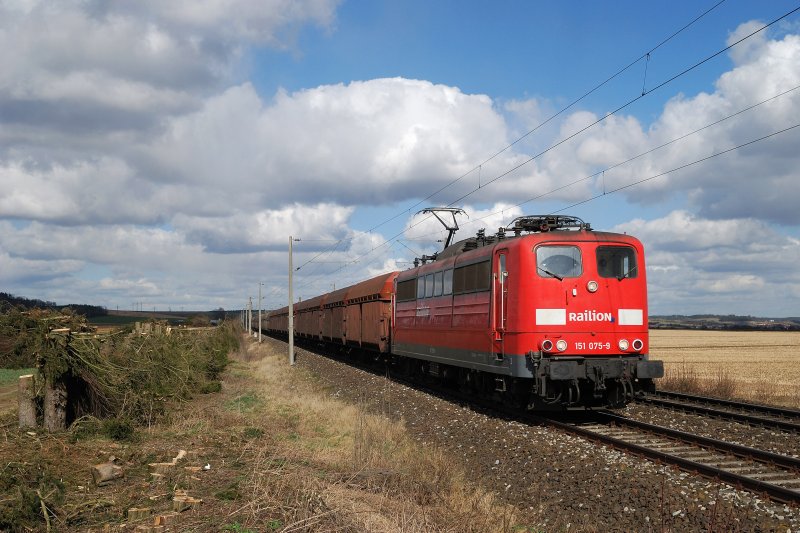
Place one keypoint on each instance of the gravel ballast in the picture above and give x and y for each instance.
(565, 482)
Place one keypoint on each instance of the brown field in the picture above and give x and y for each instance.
(760, 366)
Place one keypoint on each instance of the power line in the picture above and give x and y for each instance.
(681, 167)
(627, 104)
(540, 125)
(744, 110)
(642, 154)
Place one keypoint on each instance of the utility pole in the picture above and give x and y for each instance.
(291, 304)
(250, 316)
(259, 311)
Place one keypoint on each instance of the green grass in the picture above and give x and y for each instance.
(243, 403)
(11, 375)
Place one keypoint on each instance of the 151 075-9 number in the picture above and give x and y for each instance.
(593, 345)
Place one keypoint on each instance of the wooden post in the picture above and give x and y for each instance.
(55, 405)
(27, 403)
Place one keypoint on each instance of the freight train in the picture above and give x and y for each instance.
(547, 314)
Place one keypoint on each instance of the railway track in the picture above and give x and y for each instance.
(759, 471)
(747, 413)
(762, 472)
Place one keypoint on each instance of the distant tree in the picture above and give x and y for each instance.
(217, 314)
(198, 321)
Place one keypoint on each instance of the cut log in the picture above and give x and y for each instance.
(139, 513)
(27, 402)
(105, 473)
(184, 503)
(167, 519)
(55, 405)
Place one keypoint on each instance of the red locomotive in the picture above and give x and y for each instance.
(553, 316)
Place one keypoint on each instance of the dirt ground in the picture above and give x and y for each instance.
(273, 451)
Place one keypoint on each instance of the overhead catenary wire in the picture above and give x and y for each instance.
(641, 154)
(644, 180)
(626, 105)
(581, 130)
(555, 115)
(552, 117)
(681, 167)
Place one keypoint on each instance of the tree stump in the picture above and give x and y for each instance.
(27, 402)
(55, 405)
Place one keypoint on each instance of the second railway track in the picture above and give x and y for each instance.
(752, 414)
(759, 471)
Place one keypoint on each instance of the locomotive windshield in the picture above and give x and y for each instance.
(616, 262)
(559, 261)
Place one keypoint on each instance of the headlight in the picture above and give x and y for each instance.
(591, 286)
(547, 345)
(637, 345)
(623, 345)
(561, 345)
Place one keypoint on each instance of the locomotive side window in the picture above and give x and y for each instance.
(428, 285)
(472, 278)
(407, 290)
(616, 262)
(448, 281)
(559, 261)
(438, 279)
(420, 287)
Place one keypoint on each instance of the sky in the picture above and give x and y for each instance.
(160, 155)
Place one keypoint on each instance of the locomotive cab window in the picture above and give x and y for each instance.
(616, 262)
(559, 261)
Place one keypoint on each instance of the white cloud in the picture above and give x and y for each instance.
(135, 160)
(727, 266)
(266, 230)
(758, 181)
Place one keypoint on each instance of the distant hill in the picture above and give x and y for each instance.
(724, 322)
(9, 300)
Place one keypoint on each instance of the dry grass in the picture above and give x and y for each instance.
(334, 465)
(759, 366)
(283, 454)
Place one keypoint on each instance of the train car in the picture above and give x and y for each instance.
(554, 315)
(356, 317)
(551, 317)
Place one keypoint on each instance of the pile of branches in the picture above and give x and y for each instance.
(133, 377)
(23, 333)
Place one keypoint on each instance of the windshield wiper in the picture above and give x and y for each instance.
(559, 278)
(627, 274)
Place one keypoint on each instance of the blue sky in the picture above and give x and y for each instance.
(162, 153)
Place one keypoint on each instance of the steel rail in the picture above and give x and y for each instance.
(757, 457)
(760, 457)
(752, 407)
(751, 419)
